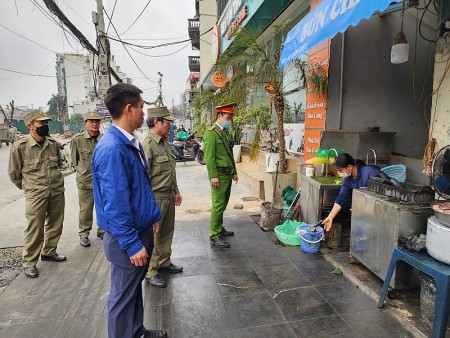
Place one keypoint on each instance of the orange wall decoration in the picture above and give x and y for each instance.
(316, 107)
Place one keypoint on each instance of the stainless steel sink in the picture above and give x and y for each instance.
(318, 194)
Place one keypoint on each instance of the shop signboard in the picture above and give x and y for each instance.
(237, 14)
(294, 136)
(316, 105)
(102, 109)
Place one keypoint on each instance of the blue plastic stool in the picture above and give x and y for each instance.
(441, 274)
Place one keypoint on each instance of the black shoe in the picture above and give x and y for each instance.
(171, 269)
(155, 334)
(226, 232)
(157, 281)
(84, 241)
(31, 271)
(55, 258)
(220, 243)
(100, 235)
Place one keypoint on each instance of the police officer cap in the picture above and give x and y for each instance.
(92, 116)
(227, 108)
(158, 112)
(35, 116)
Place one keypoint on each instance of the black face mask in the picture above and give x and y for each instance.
(42, 131)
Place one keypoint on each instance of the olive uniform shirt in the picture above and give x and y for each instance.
(218, 153)
(35, 169)
(82, 147)
(161, 165)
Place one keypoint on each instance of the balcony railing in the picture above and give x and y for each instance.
(194, 63)
(194, 33)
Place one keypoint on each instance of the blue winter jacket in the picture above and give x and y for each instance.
(124, 201)
(364, 172)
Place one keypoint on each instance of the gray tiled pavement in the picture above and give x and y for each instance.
(255, 289)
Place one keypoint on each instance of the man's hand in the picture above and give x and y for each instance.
(156, 227)
(235, 179)
(215, 182)
(178, 200)
(140, 258)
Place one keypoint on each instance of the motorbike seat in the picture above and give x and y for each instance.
(179, 146)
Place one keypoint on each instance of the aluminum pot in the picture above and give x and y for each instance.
(444, 219)
(438, 237)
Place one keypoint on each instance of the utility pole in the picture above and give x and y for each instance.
(104, 78)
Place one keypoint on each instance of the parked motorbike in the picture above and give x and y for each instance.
(66, 159)
(188, 150)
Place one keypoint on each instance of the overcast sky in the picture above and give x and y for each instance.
(162, 21)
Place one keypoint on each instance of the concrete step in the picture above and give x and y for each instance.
(252, 175)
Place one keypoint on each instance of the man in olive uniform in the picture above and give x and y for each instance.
(34, 167)
(82, 148)
(161, 166)
(221, 171)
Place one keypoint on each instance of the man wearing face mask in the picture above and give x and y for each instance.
(355, 174)
(221, 172)
(34, 167)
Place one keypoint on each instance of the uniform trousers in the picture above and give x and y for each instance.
(125, 302)
(220, 197)
(45, 217)
(162, 248)
(86, 202)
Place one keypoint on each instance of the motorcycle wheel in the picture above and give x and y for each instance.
(200, 158)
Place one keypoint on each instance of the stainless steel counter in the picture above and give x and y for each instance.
(377, 223)
(316, 196)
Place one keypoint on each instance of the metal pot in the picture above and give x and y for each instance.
(438, 237)
(444, 219)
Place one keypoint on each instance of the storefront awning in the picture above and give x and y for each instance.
(325, 21)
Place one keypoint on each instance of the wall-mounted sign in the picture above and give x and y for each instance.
(241, 17)
(233, 8)
(219, 79)
(316, 106)
(215, 43)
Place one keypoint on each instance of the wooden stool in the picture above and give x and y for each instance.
(441, 275)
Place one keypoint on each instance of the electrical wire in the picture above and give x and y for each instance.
(112, 15)
(38, 75)
(162, 55)
(421, 21)
(76, 13)
(23, 37)
(115, 30)
(160, 45)
(49, 17)
(126, 30)
(34, 42)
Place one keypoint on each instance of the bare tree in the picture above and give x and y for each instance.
(6, 117)
(11, 105)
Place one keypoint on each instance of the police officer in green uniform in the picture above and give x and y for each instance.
(82, 148)
(161, 166)
(34, 167)
(221, 171)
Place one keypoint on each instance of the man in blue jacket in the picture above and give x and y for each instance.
(126, 209)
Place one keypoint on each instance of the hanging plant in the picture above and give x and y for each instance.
(318, 81)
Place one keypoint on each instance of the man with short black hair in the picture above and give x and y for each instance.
(126, 209)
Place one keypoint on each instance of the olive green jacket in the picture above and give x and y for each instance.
(218, 152)
(82, 147)
(161, 165)
(35, 169)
